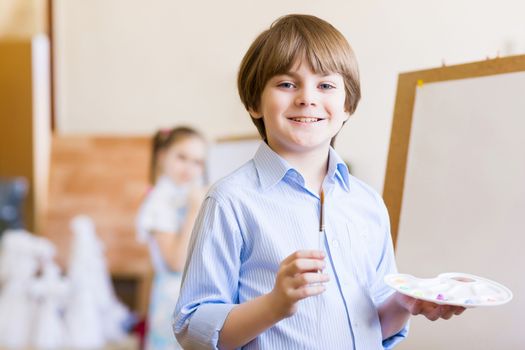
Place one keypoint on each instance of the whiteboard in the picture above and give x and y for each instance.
(226, 156)
(463, 205)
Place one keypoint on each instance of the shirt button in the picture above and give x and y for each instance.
(335, 243)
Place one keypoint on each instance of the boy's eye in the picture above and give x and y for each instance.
(326, 86)
(286, 85)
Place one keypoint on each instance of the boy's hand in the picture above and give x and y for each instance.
(428, 309)
(298, 278)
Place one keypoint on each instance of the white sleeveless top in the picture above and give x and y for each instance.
(163, 210)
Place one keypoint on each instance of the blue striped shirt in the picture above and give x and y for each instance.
(256, 217)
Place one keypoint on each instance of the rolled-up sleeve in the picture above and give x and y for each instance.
(211, 277)
(386, 265)
(389, 343)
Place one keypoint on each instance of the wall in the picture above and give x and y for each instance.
(127, 67)
(22, 19)
(104, 178)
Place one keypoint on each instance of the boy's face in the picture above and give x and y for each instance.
(302, 110)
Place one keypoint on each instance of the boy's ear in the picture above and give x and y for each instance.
(254, 114)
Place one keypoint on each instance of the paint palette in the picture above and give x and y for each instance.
(452, 288)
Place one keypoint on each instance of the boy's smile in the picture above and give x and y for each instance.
(302, 110)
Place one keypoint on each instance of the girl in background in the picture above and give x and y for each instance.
(165, 222)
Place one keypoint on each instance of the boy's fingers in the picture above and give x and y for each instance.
(309, 278)
(304, 265)
(447, 312)
(415, 307)
(308, 291)
(441, 311)
(459, 310)
(432, 312)
(304, 254)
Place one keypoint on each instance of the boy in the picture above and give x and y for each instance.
(257, 276)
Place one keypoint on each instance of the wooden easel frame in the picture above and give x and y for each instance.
(403, 113)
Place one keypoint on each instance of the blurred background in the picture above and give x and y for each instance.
(84, 84)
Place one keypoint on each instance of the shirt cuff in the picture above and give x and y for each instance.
(205, 324)
(389, 343)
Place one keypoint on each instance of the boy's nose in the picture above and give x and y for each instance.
(305, 98)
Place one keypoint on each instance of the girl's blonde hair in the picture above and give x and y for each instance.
(288, 39)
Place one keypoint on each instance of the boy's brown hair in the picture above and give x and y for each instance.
(290, 38)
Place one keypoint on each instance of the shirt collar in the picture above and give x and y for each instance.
(337, 168)
(272, 168)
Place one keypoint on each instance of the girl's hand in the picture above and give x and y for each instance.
(196, 197)
(428, 309)
(298, 278)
